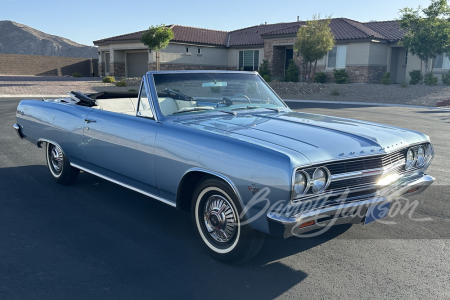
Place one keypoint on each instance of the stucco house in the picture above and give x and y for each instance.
(365, 50)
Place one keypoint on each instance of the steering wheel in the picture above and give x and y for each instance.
(240, 95)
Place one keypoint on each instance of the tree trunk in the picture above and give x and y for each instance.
(432, 64)
(314, 71)
(157, 61)
(421, 72)
(309, 74)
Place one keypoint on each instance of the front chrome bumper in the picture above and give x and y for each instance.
(18, 130)
(353, 212)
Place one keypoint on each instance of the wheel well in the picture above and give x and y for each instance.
(186, 189)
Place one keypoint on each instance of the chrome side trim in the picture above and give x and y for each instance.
(40, 141)
(230, 183)
(125, 185)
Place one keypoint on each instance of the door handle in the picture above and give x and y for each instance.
(89, 121)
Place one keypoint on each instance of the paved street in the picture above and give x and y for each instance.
(98, 240)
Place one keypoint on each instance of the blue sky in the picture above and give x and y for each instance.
(84, 21)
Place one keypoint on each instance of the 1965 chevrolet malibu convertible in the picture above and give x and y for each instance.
(225, 147)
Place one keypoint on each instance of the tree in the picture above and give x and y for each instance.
(264, 68)
(157, 38)
(427, 31)
(314, 40)
(291, 72)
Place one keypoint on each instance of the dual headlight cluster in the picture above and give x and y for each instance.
(418, 157)
(317, 183)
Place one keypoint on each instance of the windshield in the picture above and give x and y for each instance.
(194, 93)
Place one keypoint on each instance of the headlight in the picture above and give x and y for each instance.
(410, 159)
(421, 156)
(300, 184)
(320, 180)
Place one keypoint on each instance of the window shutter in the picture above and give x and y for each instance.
(256, 60)
(248, 60)
(241, 61)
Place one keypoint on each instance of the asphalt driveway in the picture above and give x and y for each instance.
(98, 240)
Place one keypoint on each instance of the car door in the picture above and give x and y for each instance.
(121, 146)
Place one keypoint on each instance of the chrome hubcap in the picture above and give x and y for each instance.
(220, 218)
(56, 158)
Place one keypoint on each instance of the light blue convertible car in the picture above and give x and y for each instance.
(225, 147)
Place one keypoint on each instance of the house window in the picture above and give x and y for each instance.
(199, 51)
(187, 50)
(442, 62)
(248, 60)
(406, 57)
(336, 57)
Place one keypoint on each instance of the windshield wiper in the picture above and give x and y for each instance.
(246, 107)
(228, 112)
(275, 109)
(188, 109)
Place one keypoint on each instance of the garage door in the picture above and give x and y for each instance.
(137, 64)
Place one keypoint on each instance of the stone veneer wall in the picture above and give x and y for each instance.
(117, 69)
(175, 67)
(360, 74)
(101, 69)
(275, 55)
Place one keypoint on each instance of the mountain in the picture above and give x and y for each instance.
(16, 38)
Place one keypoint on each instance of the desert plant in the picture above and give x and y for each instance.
(335, 93)
(430, 79)
(386, 79)
(264, 69)
(108, 79)
(76, 74)
(320, 77)
(132, 90)
(267, 78)
(416, 77)
(121, 83)
(404, 85)
(446, 78)
(340, 76)
(291, 72)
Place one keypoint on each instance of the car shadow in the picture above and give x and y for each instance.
(107, 240)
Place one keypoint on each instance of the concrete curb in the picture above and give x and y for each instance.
(364, 104)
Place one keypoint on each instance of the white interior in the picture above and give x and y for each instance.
(128, 105)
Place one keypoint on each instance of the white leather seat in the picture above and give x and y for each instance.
(168, 105)
(116, 105)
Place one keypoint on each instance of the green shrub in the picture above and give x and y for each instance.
(109, 79)
(264, 69)
(320, 77)
(430, 79)
(121, 83)
(340, 76)
(132, 90)
(292, 72)
(267, 78)
(404, 85)
(335, 93)
(446, 78)
(76, 74)
(416, 78)
(386, 79)
(215, 89)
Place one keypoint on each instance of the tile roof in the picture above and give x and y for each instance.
(389, 29)
(182, 34)
(342, 28)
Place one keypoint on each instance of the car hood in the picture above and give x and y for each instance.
(318, 137)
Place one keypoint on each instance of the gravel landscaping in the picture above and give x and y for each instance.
(421, 95)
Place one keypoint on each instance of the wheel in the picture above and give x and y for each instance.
(215, 212)
(59, 166)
